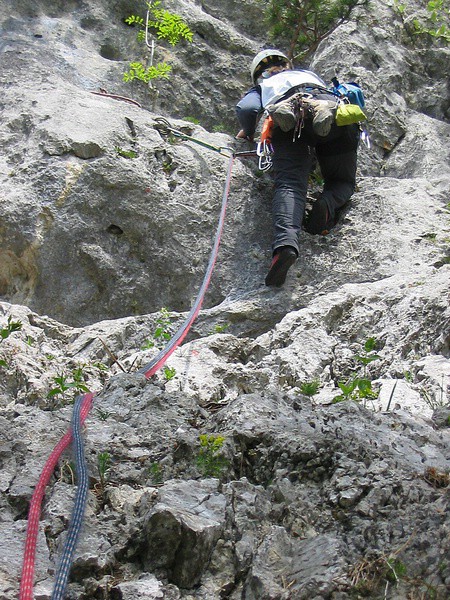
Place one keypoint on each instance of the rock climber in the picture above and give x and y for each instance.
(303, 115)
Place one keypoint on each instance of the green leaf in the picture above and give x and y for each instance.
(364, 385)
(54, 391)
(347, 388)
(134, 20)
(370, 344)
(169, 373)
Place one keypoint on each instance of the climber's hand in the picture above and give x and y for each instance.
(242, 136)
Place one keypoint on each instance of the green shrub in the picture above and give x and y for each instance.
(301, 26)
(210, 462)
(435, 22)
(165, 26)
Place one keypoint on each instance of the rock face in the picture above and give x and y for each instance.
(106, 219)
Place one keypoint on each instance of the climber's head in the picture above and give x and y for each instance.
(268, 60)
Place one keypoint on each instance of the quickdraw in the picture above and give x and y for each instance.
(164, 127)
(264, 149)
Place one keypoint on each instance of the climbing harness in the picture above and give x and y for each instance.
(301, 108)
(81, 409)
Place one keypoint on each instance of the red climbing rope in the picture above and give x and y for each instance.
(158, 361)
(29, 557)
(29, 560)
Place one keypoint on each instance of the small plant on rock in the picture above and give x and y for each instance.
(103, 466)
(433, 22)
(169, 373)
(369, 575)
(156, 474)
(11, 326)
(126, 153)
(162, 332)
(103, 469)
(219, 328)
(359, 387)
(310, 388)
(210, 461)
(5, 332)
(103, 415)
(65, 383)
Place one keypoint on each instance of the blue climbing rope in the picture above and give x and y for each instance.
(76, 522)
(148, 370)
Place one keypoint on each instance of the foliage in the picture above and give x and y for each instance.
(435, 22)
(359, 386)
(5, 332)
(146, 74)
(192, 120)
(103, 466)
(368, 354)
(210, 462)
(63, 383)
(166, 26)
(368, 575)
(302, 24)
(219, 328)
(356, 388)
(126, 153)
(163, 331)
(169, 373)
(11, 326)
(310, 388)
(156, 473)
(103, 415)
(162, 334)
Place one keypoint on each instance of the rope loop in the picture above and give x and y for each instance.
(81, 410)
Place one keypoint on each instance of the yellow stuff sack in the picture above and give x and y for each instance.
(347, 114)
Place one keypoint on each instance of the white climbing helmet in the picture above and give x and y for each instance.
(267, 58)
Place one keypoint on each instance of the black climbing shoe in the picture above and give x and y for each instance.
(281, 263)
(318, 221)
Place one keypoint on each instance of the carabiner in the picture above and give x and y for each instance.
(264, 148)
(264, 151)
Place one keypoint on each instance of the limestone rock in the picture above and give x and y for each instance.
(105, 219)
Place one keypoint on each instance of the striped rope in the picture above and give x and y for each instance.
(62, 575)
(158, 361)
(29, 557)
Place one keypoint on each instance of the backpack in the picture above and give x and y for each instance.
(351, 90)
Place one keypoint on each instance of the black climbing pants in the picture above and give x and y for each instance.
(292, 161)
